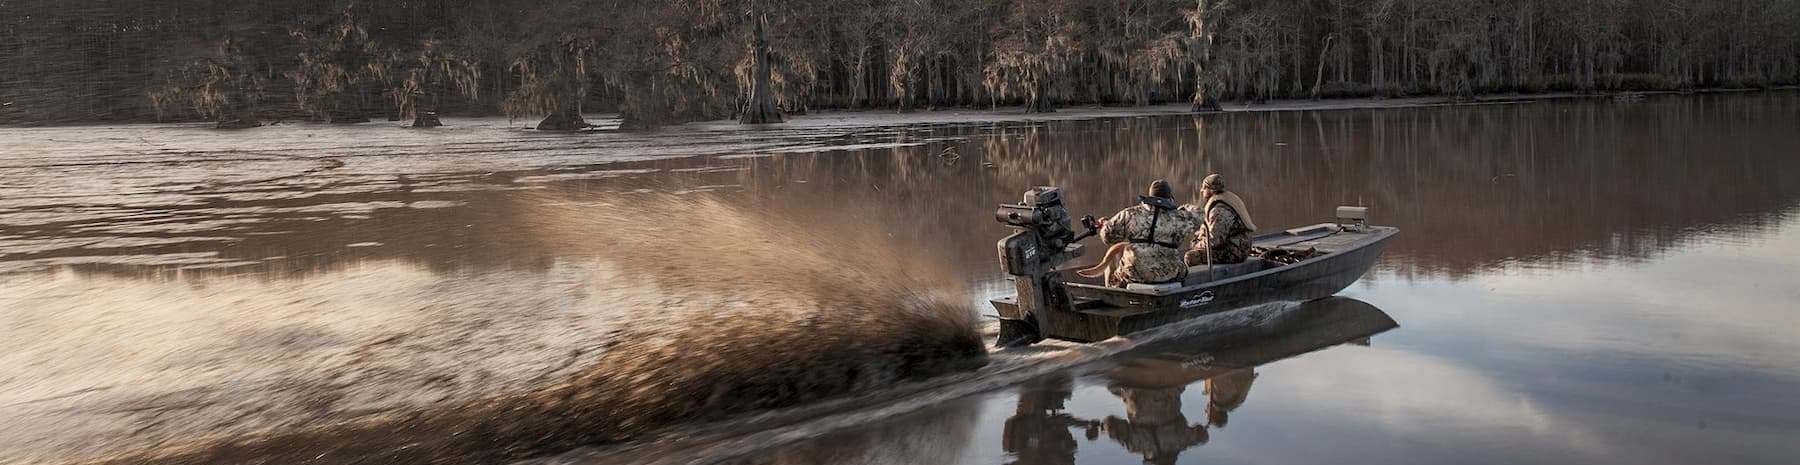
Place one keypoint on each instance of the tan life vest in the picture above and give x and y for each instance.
(1236, 203)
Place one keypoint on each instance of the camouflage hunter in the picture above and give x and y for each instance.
(1151, 254)
(1226, 230)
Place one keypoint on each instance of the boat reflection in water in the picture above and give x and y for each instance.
(1150, 380)
(1039, 431)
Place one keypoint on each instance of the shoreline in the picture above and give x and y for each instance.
(609, 122)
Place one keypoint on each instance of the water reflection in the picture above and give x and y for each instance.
(937, 436)
(1226, 392)
(1150, 381)
(1039, 431)
(1549, 184)
(1549, 265)
(1545, 185)
(1154, 425)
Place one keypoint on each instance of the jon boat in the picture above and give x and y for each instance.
(1053, 302)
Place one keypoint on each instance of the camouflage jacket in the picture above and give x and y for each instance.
(1223, 235)
(1143, 261)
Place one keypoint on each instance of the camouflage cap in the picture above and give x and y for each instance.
(1160, 188)
(1214, 182)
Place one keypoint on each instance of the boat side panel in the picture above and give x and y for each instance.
(1356, 251)
(1108, 312)
(1130, 312)
(1324, 280)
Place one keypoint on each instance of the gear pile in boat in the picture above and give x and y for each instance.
(1284, 257)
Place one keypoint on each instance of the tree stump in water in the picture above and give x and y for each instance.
(427, 119)
(761, 114)
(563, 121)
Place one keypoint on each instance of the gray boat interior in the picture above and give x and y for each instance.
(1297, 239)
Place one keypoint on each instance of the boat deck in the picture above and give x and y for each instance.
(1327, 237)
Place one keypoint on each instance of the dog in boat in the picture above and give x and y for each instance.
(1113, 254)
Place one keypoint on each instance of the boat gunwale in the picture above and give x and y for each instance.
(1383, 233)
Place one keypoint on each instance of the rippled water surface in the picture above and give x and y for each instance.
(1575, 281)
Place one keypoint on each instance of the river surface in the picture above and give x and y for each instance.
(1576, 281)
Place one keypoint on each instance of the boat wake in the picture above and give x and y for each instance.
(727, 441)
(686, 330)
(684, 311)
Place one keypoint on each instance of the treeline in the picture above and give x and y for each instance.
(665, 62)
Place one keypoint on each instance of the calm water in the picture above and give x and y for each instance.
(1576, 282)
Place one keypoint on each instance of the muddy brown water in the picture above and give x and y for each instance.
(1576, 281)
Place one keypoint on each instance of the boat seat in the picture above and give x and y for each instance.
(1163, 288)
(1199, 274)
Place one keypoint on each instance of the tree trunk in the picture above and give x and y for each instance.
(900, 79)
(799, 105)
(425, 117)
(1039, 98)
(346, 110)
(1206, 87)
(1206, 74)
(1377, 75)
(1319, 81)
(859, 91)
(1205, 101)
(761, 108)
(239, 113)
(569, 119)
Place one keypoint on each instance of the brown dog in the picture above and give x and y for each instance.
(1099, 269)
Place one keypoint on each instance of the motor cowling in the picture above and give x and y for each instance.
(1045, 231)
(1045, 239)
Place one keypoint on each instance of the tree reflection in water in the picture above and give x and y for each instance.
(1548, 184)
(1151, 380)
